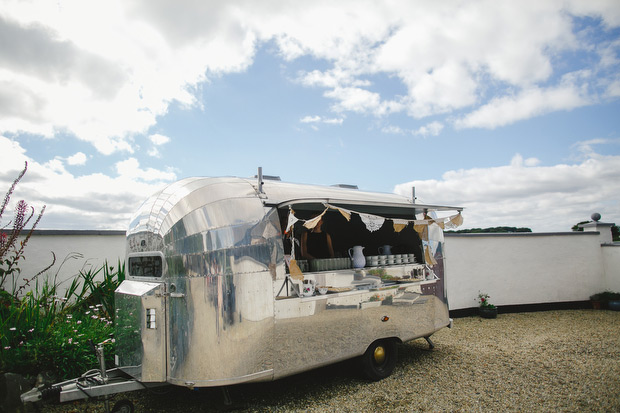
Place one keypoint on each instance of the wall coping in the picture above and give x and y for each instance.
(73, 232)
(521, 234)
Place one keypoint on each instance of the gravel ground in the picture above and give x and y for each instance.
(545, 361)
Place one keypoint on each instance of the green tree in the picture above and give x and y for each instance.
(615, 231)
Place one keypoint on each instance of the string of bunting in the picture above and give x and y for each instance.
(374, 222)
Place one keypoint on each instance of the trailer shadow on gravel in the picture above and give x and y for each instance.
(299, 391)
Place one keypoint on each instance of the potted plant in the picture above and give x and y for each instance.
(486, 309)
(606, 299)
(596, 301)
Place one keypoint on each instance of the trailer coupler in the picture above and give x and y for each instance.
(51, 393)
(93, 383)
(87, 386)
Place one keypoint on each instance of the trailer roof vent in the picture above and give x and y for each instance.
(269, 178)
(348, 186)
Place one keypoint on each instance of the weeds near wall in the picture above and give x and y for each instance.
(47, 331)
(11, 249)
(44, 329)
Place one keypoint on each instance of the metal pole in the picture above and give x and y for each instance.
(260, 179)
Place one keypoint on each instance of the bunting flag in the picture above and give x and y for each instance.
(374, 222)
(292, 219)
(423, 227)
(430, 260)
(344, 212)
(400, 224)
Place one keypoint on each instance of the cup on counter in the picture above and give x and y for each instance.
(372, 261)
(382, 259)
(303, 265)
(390, 260)
(398, 258)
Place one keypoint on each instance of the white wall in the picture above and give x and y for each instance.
(523, 268)
(78, 249)
(611, 259)
(517, 268)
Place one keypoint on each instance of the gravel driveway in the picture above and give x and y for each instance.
(545, 361)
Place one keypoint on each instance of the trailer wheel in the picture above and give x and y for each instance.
(123, 406)
(379, 360)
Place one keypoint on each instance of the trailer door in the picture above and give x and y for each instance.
(141, 320)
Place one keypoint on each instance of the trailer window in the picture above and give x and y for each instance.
(146, 266)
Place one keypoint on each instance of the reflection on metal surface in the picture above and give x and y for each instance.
(329, 328)
(213, 317)
(229, 333)
(140, 346)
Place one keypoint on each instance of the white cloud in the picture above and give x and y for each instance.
(94, 201)
(158, 139)
(432, 129)
(393, 130)
(78, 158)
(333, 121)
(106, 71)
(524, 194)
(355, 99)
(319, 119)
(527, 104)
(310, 119)
(130, 169)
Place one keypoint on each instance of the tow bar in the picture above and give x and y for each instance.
(93, 383)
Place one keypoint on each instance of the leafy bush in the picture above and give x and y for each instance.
(43, 331)
(605, 296)
(11, 251)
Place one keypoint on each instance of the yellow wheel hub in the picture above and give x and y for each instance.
(379, 355)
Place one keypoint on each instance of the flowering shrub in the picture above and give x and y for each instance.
(45, 331)
(483, 300)
(11, 249)
(61, 347)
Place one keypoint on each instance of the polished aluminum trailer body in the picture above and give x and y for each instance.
(202, 304)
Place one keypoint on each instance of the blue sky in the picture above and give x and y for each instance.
(508, 109)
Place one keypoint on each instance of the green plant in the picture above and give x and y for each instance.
(11, 251)
(44, 330)
(101, 292)
(483, 300)
(605, 296)
(60, 345)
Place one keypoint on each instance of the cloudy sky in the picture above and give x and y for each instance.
(510, 109)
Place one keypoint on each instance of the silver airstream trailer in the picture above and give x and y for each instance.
(217, 290)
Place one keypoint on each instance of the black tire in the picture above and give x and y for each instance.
(379, 360)
(123, 406)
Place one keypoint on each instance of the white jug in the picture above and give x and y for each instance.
(357, 256)
(385, 250)
(307, 288)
